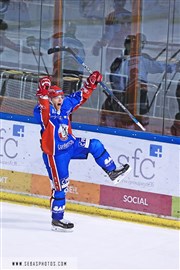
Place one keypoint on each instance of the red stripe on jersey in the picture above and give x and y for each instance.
(54, 172)
(44, 111)
(48, 142)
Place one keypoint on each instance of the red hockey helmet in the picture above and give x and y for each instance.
(55, 91)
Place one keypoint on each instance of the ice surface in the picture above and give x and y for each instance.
(95, 243)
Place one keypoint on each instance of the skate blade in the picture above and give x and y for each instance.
(59, 229)
(122, 176)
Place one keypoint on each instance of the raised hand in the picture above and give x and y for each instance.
(93, 80)
(43, 86)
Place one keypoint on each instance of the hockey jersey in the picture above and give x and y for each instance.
(56, 133)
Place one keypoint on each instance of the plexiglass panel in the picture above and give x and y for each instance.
(133, 43)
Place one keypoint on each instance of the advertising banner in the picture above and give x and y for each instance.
(20, 147)
(136, 200)
(151, 161)
(17, 181)
(176, 207)
(155, 165)
(84, 192)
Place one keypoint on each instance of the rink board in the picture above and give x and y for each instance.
(149, 189)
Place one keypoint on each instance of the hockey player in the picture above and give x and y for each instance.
(117, 27)
(59, 145)
(140, 65)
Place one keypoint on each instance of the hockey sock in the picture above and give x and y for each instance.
(58, 204)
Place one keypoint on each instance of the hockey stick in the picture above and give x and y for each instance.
(170, 82)
(106, 89)
(159, 54)
(159, 86)
(45, 67)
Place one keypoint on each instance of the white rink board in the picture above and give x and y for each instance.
(155, 165)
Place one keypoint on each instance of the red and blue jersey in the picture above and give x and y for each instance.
(56, 130)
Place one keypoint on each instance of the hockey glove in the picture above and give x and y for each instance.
(91, 83)
(43, 86)
(93, 80)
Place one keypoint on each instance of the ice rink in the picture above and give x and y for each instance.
(95, 243)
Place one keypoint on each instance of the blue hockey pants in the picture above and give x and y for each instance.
(58, 169)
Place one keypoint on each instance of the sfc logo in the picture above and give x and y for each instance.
(156, 150)
(18, 130)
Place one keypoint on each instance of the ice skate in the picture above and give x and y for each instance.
(62, 225)
(119, 174)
